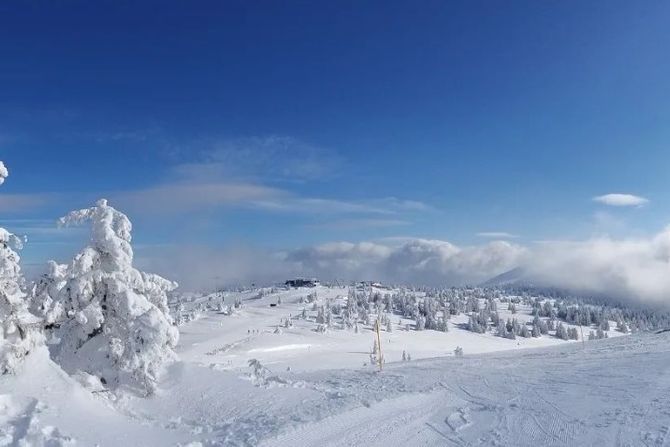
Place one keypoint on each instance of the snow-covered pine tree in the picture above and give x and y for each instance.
(524, 332)
(561, 332)
(535, 332)
(512, 308)
(420, 323)
(501, 330)
(622, 327)
(20, 331)
(551, 325)
(320, 315)
(116, 324)
(573, 334)
(473, 324)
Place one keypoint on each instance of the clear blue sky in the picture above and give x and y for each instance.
(285, 124)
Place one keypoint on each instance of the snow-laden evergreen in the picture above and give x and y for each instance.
(20, 331)
(107, 318)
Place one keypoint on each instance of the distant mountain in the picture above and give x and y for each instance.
(515, 277)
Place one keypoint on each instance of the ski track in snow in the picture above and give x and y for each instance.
(613, 393)
(558, 397)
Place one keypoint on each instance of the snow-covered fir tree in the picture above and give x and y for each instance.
(420, 323)
(622, 327)
(562, 332)
(116, 323)
(20, 331)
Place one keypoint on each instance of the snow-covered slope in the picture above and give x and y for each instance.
(228, 342)
(317, 388)
(610, 392)
(613, 392)
(42, 406)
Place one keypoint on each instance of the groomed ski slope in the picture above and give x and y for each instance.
(612, 393)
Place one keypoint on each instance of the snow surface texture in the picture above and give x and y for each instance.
(309, 387)
(614, 392)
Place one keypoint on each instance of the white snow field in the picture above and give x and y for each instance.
(317, 388)
(228, 342)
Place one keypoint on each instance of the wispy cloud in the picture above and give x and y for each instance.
(354, 223)
(616, 199)
(270, 158)
(313, 205)
(497, 235)
(244, 173)
(184, 197)
(16, 203)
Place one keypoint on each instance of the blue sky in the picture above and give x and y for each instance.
(280, 125)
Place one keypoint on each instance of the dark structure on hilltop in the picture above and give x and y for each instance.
(299, 282)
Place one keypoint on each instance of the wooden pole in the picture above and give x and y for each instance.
(379, 345)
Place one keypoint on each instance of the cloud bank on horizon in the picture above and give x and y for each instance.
(627, 269)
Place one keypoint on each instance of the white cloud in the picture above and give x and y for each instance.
(627, 269)
(497, 235)
(415, 261)
(624, 268)
(621, 200)
(4, 173)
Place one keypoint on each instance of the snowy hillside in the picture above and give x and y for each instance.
(564, 395)
(254, 369)
(258, 329)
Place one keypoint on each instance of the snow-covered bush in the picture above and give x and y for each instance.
(259, 373)
(115, 320)
(20, 331)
